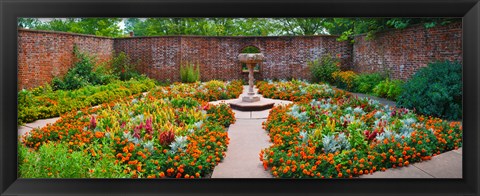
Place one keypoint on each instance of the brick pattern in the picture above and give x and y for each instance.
(286, 57)
(403, 52)
(43, 55)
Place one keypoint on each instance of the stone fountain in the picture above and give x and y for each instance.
(251, 59)
(251, 101)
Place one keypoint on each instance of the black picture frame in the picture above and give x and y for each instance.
(11, 9)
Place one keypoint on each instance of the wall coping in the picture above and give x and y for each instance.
(169, 36)
(409, 27)
(61, 32)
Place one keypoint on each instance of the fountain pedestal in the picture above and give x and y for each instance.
(251, 101)
(251, 96)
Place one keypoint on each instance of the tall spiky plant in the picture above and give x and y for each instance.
(189, 72)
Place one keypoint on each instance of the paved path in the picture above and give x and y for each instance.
(381, 100)
(445, 165)
(247, 138)
(35, 124)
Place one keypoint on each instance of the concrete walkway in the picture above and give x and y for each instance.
(22, 130)
(247, 138)
(381, 100)
(445, 165)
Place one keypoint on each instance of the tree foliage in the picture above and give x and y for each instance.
(94, 26)
(347, 28)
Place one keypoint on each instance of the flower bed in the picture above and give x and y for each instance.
(297, 91)
(170, 132)
(145, 137)
(43, 102)
(341, 136)
(206, 91)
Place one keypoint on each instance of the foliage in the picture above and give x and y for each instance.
(42, 102)
(250, 49)
(123, 67)
(189, 72)
(323, 68)
(343, 136)
(295, 90)
(221, 113)
(108, 27)
(149, 137)
(83, 73)
(205, 91)
(58, 160)
(389, 89)
(346, 27)
(301, 26)
(344, 79)
(435, 90)
(364, 83)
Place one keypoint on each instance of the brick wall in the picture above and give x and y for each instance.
(286, 57)
(403, 52)
(43, 55)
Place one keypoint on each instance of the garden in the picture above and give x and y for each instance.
(116, 120)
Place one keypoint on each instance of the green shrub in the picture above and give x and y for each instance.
(123, 67)
(364, 83)
(344, 79)
(323, 68)
(389, 89)
(435, 90)
(189, 73)
(55, 160)
(40, 103)
(83, 73)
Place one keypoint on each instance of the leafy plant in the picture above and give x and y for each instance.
(189, 72)
(123, 66)
(323, 68)
(344, 79)
(389, 89)
(83, 73)
(56, 160)
(364, 83)
(435, 90)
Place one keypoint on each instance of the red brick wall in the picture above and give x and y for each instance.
(43, 55)
(403, 52)
(286, 57)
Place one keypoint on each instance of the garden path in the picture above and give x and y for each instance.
(247, 139)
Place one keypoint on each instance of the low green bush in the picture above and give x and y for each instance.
(189, 72)
(40, 102)
(55, 160)
(83, 73)
(123, 67)
(435, 90)
(323, 68)
(364, 83)
(389, 89)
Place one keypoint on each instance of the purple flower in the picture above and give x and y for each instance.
(136, 132)
(93, 122)
(148, 126)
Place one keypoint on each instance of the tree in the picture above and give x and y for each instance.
(302, 26)
(28, 23)
(95, 26)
